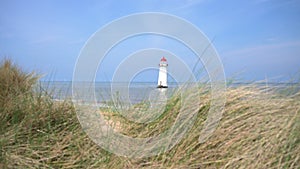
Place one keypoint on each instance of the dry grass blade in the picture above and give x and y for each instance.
(259, 129)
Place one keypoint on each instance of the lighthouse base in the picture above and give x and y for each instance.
(161, 86)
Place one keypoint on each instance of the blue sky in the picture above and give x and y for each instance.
(255, 39)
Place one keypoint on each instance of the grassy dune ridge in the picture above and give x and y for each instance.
(260, 128)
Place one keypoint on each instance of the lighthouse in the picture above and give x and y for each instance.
(162, 75)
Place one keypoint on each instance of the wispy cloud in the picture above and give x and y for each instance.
(191, 3)
(44, 40)
(272, 60)
(77, 41)
(170, 6)
(185, 5)
(284, 1)
(262, 49)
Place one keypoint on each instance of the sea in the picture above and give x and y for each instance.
(141, 91)
(106, 91)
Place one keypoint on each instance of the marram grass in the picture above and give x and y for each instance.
(260, 129)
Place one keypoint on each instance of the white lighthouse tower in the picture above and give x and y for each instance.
(162, 75)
